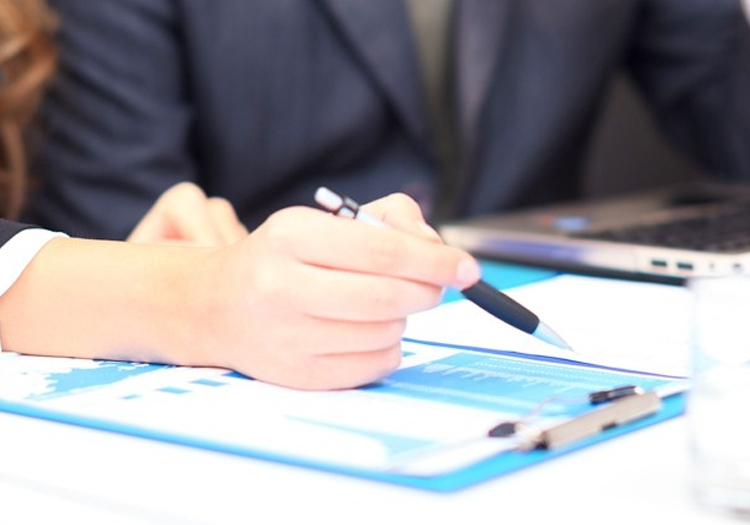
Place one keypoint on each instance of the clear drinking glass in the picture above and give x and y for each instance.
(718, 404)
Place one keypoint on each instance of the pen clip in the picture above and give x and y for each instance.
(343, 206)
(347, 208)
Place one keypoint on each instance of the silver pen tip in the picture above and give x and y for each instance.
(545, 333)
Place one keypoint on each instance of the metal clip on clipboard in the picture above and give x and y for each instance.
(610, 412)
(615, 413)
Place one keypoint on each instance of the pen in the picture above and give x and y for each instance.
(482, 294)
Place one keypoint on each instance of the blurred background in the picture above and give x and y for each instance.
(629, 152)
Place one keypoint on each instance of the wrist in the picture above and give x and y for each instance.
(108, 300)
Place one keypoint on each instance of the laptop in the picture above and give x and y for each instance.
(671, 233)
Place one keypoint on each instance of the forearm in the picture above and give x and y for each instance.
(107, 300)
(308, 300)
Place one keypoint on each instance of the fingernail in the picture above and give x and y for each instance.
(468, 272)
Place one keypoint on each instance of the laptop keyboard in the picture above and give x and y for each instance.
(719, 230)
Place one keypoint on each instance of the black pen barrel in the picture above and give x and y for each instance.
(501, 306)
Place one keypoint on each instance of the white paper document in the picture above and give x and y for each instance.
(637, 326)
(460, 376)
(430, 416)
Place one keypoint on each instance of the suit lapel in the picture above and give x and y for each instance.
(380, 33)
(479, 30)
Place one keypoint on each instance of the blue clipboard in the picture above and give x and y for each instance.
(455, 479)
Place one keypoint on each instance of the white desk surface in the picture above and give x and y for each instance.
(51, 471)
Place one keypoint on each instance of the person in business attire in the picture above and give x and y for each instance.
(469, 106)
(308, 300)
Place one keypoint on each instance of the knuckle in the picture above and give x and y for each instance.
(186, 189)
(385, 300)
(440, 266)
(404, 205)
(264, 292)
(387, 255)
(405, 201)
(434, 296)
(391, 359)
(222, 205)
(393, 331)
(279, 230)
(271, 284)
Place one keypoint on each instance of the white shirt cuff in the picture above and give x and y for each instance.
(17, 253)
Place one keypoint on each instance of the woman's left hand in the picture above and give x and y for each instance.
(185, 215)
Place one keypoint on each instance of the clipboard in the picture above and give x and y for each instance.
(424, 384)
(187, 407)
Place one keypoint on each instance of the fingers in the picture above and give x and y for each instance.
(318, 336)
(313, 301)
(225, 220)
(333, 372)
(314, 354)
(320, 239)
(353, 370)
(401, 212)
(183, 214)
(179, 214)
(355, 297)
(150, 229)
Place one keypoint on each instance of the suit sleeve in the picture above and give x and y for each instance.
(691, 59)
(116, 120)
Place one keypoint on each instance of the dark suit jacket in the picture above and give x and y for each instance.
(261, 101)
(9, 228)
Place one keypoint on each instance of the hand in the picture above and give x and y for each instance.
(314, 301)
(184, 215)
(308, 300)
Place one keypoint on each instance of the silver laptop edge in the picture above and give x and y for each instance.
(542, 236)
